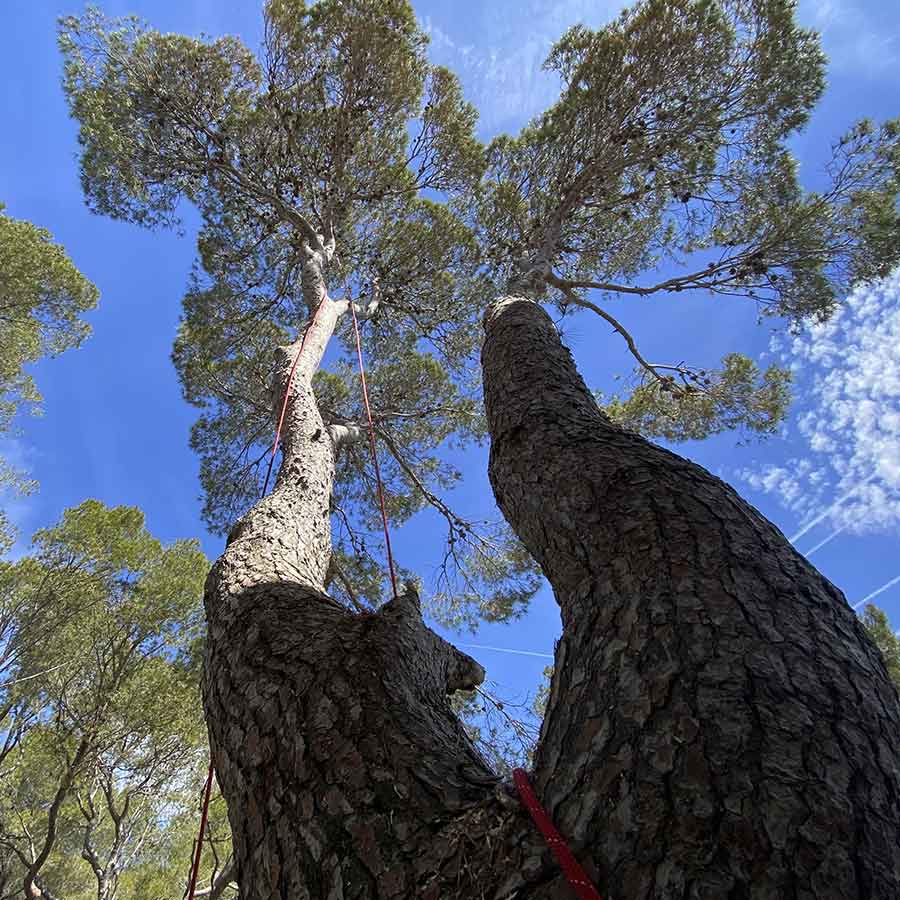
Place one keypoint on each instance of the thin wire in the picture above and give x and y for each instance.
(509, 650)
(365, 392)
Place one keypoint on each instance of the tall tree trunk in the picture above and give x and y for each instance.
(719, 724)
(345, 771)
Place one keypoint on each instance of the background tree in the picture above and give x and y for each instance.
(885, 638)
(42, 296)
(101, 723)
(343, 765)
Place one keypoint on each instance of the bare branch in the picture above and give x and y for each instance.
(226, 877)
(567, 289)
(341, 576)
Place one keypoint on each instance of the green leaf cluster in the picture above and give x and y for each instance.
(100, 716)
(318, 128)
(42, 299)
(691, 406)
(879, 628)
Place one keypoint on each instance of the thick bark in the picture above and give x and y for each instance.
(345, 771)
(719, 724)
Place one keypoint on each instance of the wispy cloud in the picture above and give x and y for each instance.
(880, 590)
(847, 374)
(855, 34)
(500, 58)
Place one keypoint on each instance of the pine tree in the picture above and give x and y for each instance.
(716, 718)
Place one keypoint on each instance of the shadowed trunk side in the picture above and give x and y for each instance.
(719, 724)
(345, 771)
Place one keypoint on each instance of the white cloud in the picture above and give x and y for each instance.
(854, 33)
(505, 80)
(848, 376)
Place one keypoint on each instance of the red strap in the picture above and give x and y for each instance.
(575, 875)
(195, 868)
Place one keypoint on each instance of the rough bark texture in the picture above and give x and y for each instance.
(346, 773)
(719, 724)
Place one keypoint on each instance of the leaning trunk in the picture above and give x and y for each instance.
(345, 771)
(719, 724)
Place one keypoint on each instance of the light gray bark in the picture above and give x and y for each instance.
(719, 724)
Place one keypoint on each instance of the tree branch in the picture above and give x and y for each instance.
(568, 290)
(53, 814)
(433, 499)
(695, 279)
(341, 576)
(226, 877)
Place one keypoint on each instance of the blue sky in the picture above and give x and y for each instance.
(115, 426)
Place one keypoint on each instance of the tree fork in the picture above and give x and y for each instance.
(345, 771)
(719, 723)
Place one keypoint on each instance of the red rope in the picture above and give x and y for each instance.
(575, 875)
(287, 394)
(195, 868)
(365, 393)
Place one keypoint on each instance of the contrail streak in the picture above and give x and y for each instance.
(880, 590)
(821, 544)
(509, 650)
(831, 508)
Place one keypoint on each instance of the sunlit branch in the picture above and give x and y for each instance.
(695, 279)
(341, 576)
